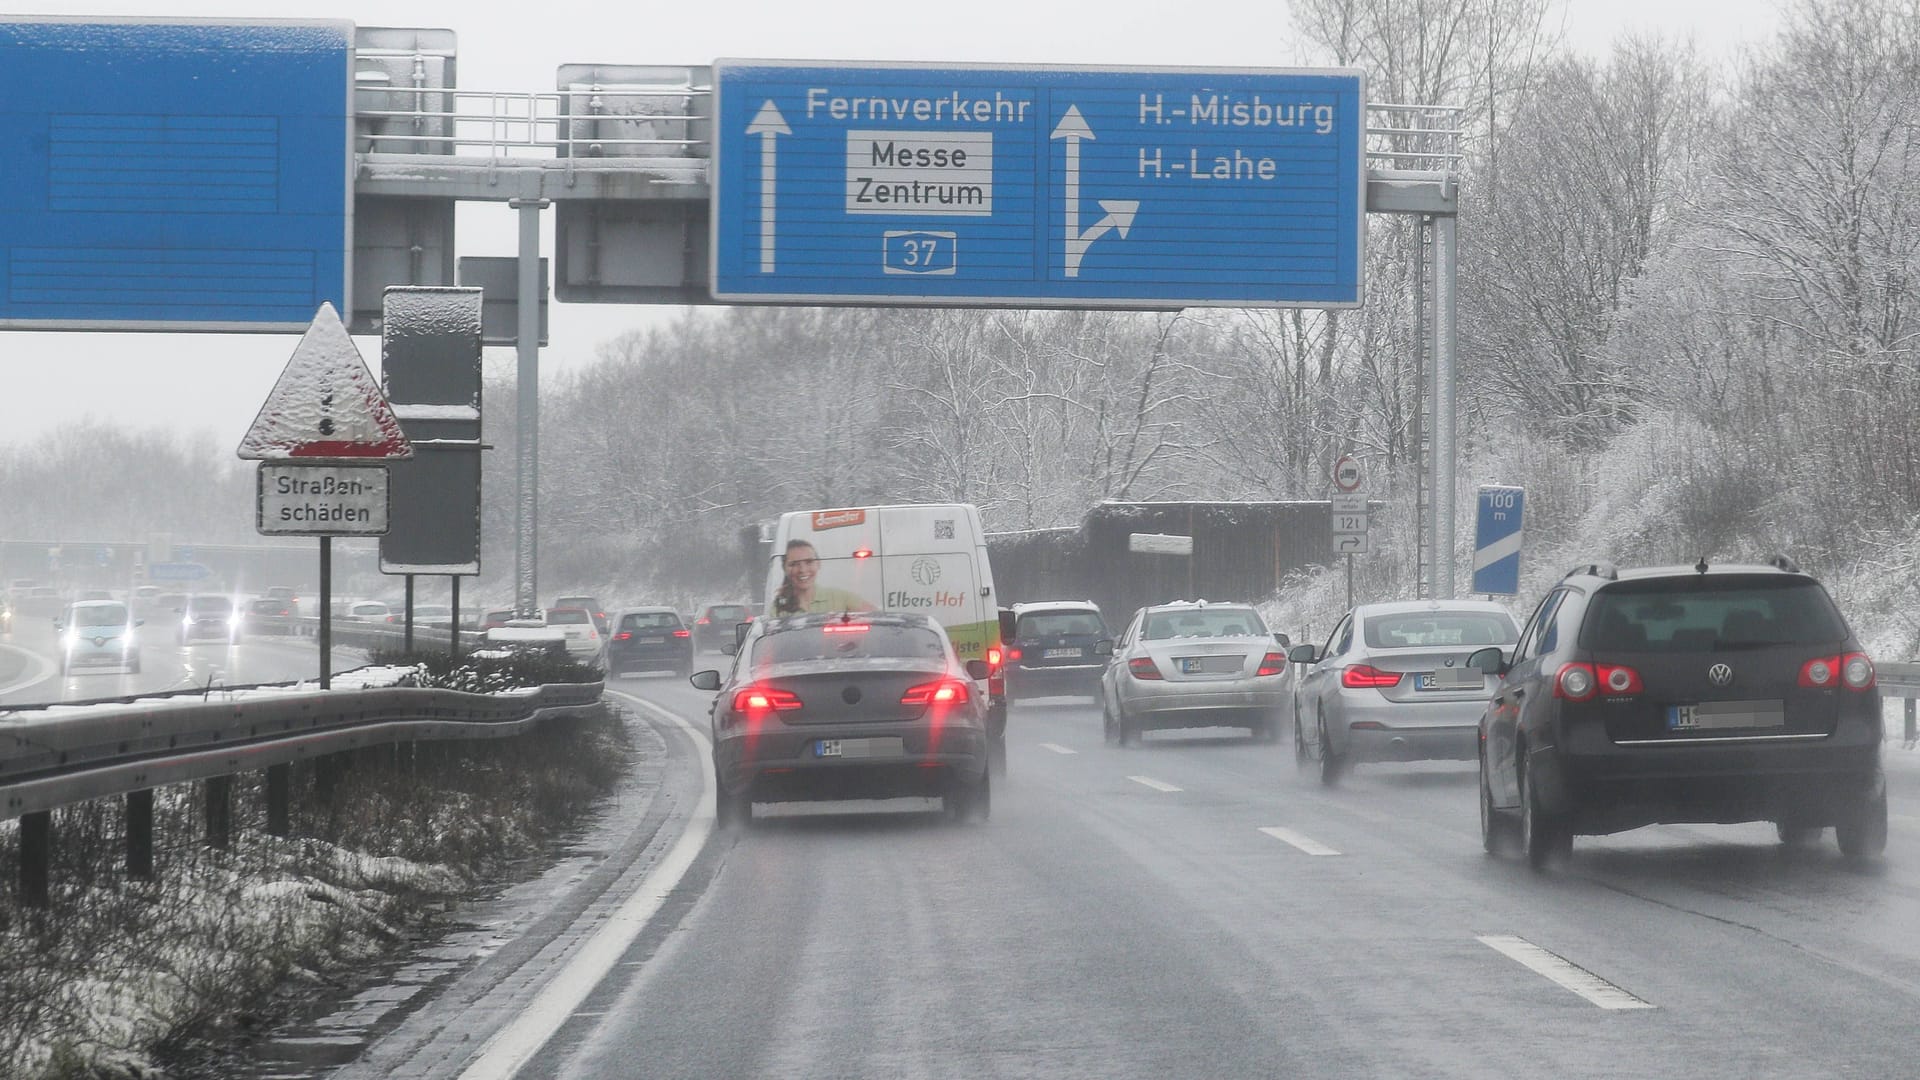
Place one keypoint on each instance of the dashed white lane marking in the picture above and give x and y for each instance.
(1058, 749)
(1564, 972)
(1157, 785)
(511, 1047)
(1304, 843)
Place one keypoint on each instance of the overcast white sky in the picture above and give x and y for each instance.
(217, 382)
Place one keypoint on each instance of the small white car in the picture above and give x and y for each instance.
(98, 633)
(583, 635)
(1195, 664)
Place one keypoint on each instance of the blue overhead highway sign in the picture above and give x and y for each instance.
(173, 174)
(1496, 544)
(1037, 186)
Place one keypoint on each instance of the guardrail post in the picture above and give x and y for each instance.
(1910, 735)
(140, 833)
(220, 812)
(36, 852)
(279, 780)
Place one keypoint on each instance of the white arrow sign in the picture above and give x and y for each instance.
(1120, 212)
(769, 125)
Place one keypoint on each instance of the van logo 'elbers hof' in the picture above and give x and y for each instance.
(838, 519)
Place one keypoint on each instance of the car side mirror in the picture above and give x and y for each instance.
(1304, 654)
(705, 680)
(1488, 661)
(1285, 641)
(978, 669)
(139, 622)
(730, 648)
(1103, 647)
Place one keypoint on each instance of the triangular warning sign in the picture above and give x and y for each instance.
(326, 404)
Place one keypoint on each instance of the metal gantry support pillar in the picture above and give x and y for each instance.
(1445, 383)
(526, 549)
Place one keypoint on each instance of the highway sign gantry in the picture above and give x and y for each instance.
(1037, 186)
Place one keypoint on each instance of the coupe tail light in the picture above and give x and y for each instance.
(944, 692)
(683, 633)
(623, 636)
(1367, 677)
(1853, 671)
(1272, 664)
(764, 699)
(1142, 667)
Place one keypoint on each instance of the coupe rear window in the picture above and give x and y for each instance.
(567, 617)
(1707, 614)
(1431, 629)
(848, 641)
(650, 620)
(1058, 623)
(1211, 622)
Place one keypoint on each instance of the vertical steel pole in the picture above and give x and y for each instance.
(453, 634)
(326, 613)
(1422, 457)
(407, 642)
(280, 799)
(219, 793)
(527, 450)
(1446, 259)
(36, 858)
(140, 833)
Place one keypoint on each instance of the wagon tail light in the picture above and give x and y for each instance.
(1142, 667)
(1366, 677)
(1272, 664)
(1582, 681)
(757, 701)
(1853, 671)
(944, 692)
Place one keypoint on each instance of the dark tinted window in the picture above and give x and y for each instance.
(1203, 622)
(650, 620)
(733, 613)
(1439, 629)
(843, 641)
(1039, 624)
(1701, 614)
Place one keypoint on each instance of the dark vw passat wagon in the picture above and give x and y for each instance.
(1682, 694)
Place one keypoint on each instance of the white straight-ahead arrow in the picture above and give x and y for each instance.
(769, 125)
(1120, 212)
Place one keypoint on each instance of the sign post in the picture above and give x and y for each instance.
(1497, 535)
(319, 437)
(1347, 509)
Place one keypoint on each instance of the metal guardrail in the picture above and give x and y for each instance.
(1423, 138)
(1901, 679)
(599, 121)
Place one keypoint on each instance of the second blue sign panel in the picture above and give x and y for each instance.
(1046, 187)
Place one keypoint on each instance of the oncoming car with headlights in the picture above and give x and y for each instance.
(209, 617)
(98, 633)
(848, 706)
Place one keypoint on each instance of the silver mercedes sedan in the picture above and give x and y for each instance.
(1194, 664)
(1392, 684)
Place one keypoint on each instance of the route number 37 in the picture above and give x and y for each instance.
(919, 252)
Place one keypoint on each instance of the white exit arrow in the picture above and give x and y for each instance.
(1120, 212)
(769, 125)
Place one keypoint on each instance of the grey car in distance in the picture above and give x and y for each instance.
(1195, 664)
(1391, 683)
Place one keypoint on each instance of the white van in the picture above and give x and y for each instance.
(929, 559)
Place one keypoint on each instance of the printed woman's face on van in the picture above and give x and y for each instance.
(802, 565)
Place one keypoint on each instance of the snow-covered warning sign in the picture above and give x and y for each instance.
(326, 406)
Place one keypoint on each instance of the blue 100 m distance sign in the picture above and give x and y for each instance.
(1037, 186)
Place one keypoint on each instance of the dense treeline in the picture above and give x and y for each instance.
(93, 480)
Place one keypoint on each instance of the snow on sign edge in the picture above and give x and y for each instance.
(325, 405)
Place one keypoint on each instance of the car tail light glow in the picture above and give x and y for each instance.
(1366, 677)
(1856, 671)
(944, 692)
(1013, 655)
(764, 699)
(704, 621)
(863, 553)
(1618, 680)
(1575, 682)
(683, 633)
(1853, 671)
(994, 657)
(1820, 673)
(1272, 664)
(845, 628)
(1142, 667)
(623, 636)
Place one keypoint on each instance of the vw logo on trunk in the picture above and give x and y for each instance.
(1720, 675)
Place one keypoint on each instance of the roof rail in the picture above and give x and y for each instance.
(1594, 569)
(1780, 561)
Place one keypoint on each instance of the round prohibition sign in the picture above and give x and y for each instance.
(1346, 475)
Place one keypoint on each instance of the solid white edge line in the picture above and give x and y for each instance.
(41, 669)
(512, 1046)
(1057, 748)
(1157, 785)
(1563, 972)
(1304, 843)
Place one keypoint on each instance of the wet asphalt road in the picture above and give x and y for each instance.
(1125, 915)
(30, 671)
